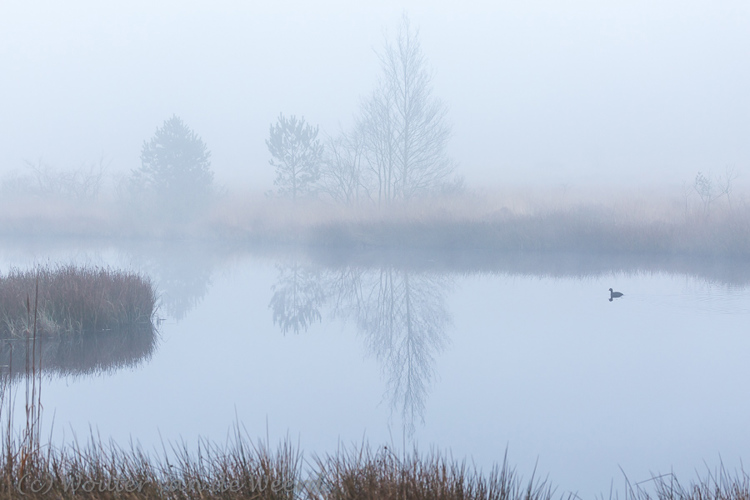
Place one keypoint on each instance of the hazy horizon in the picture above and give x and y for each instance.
(540, 93)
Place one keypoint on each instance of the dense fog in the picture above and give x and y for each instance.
(469, 226)
(544, 93)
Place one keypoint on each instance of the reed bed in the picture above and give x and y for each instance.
(73, 299)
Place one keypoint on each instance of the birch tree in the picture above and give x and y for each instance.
(406, 128)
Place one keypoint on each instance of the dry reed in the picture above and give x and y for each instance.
(75, 299)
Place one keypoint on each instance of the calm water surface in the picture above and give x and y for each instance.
(471, 362)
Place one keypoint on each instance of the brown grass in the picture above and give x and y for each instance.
(382, 474)
(243, 469)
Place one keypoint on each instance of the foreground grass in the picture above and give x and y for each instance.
(99, 471)
(242, 469)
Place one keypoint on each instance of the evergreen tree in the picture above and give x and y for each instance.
(175, 170)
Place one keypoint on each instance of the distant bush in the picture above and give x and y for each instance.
(175, 177)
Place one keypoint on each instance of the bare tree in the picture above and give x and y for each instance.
(405, 126)
(82, 184)
(343, 177)
(297, 154)
(704, 186)
(710, 188)
(726, 183)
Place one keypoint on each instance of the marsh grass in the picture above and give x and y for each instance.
(74, 300)
(243, 469)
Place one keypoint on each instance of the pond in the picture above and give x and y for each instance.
(463, 353)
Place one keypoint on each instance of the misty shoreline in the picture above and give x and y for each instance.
(452, 223)
(464, 234)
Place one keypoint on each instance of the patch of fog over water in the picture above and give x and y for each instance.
(526, 354)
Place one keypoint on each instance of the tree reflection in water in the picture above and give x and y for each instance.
(402, 315)
(297, 298)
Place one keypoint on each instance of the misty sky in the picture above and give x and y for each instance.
(543, 92)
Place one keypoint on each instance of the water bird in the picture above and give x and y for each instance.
(614, 295)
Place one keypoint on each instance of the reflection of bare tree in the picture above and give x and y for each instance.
(404, 318)
(297, 298)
